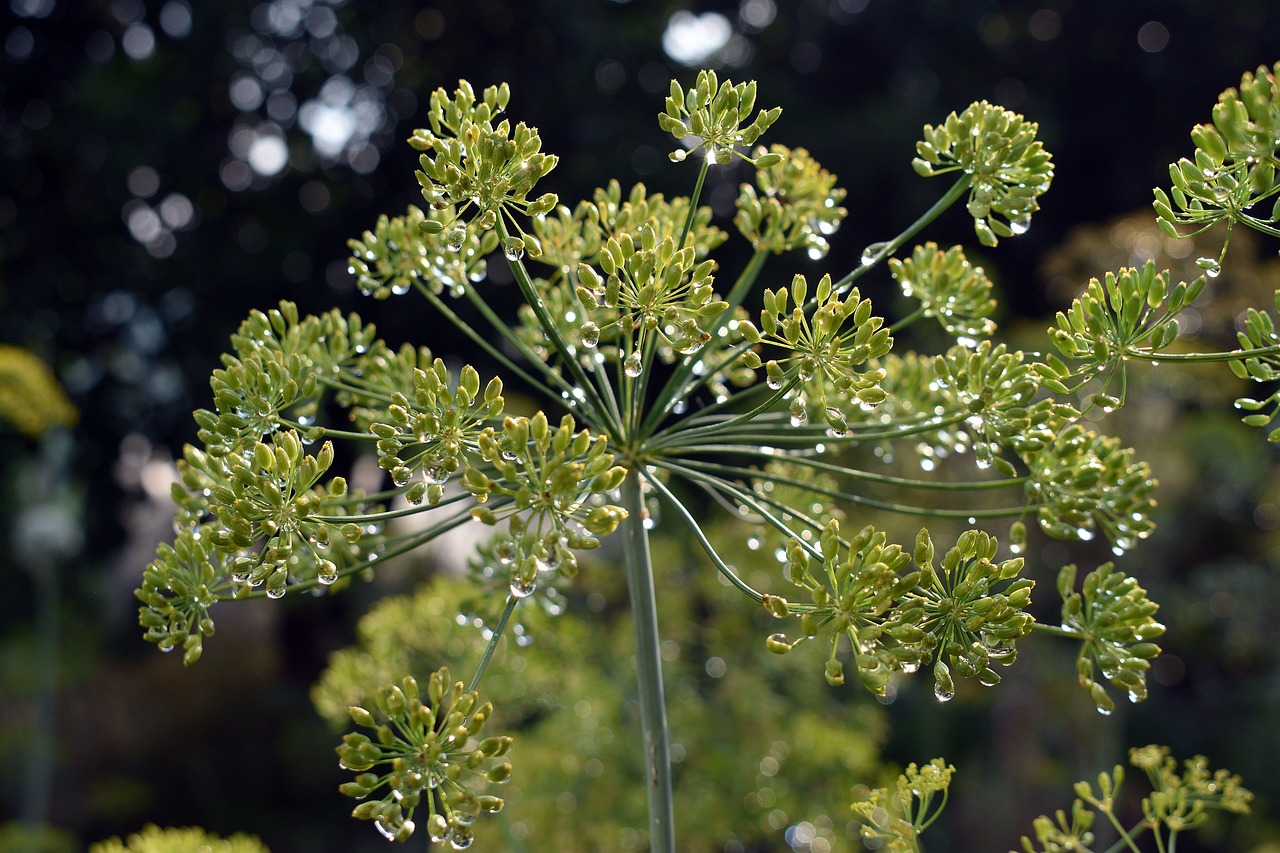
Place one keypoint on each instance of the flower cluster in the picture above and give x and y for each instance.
(1115, 318)
(1234, 166)
(652, 286)
(794, 204)
(550, 483)
(279, 365)
(1083, 482)
(402, 251)
(1184, 800)
(470, 162)
(432, 432)
(949, 288)
(1006, 167)
(857, 593)
(178, 588)
(973, 609)
(1178, 802)
(424, 753)
(892, 819)
(963, 616)
(829, 344)
(713, 113)
(1116, 624)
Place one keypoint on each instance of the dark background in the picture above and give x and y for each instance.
(135, 234)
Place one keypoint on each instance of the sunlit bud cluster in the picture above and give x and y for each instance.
(1116, 624)
(893, 818)
(1083, 483)
(794, 204)
(1006, 167)
(828, 343)
(949, 289)
(426, 755)
(1234, 165)
(484, 170)
(428, 436)
(713, 114)
(549, 485)
(973, 609)
(402, 252)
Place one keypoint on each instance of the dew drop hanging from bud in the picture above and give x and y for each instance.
(632, 365)
(1210, 266)
(457, 236)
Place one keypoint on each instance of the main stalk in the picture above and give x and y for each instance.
(653, 708)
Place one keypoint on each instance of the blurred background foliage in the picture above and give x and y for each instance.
(169, 165)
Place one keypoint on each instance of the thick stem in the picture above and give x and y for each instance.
(653, 708)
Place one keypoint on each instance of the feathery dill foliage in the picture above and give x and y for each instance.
(665, 386)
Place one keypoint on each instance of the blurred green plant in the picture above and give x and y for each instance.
(655, 396)
(153, 839)
(31, 400)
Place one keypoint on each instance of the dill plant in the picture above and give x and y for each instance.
(666, 386)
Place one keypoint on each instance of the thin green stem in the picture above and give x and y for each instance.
(887, 249)
(484, 343)
(687, 466)
(696, 529)
(907, 320)
(1056, 631)
(853, 473)
(1234, 355)
(1124, 834)
(693, 201)
(590, 400)
(663, 438)
(678, 385)
(512, 601)
(653, 708)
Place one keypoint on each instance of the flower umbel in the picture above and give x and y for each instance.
(470, 162)
(425, 754)
(713, 113)
(1006, 167)
(893, 819)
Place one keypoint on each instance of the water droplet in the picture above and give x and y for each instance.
(457, 236)
(1106, 712)
(327, 573)
(275, 591)
(633, 366)
(1210, 266)
(400, 288)
(799, 413)
(513, 251)
(462, 838)
(521, 588)
(388, 834)
(590, 334)
(942, 693)
(873, 254)
(1020, 225)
